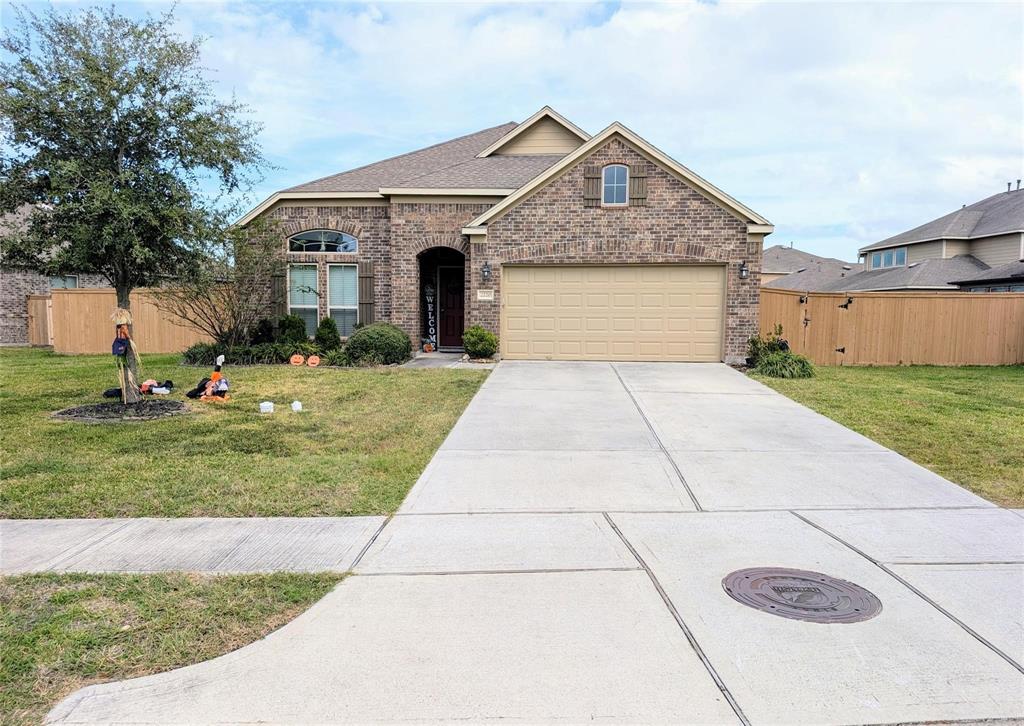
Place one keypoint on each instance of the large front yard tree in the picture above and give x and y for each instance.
(119, 143)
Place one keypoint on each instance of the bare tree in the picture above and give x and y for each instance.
(229, 295)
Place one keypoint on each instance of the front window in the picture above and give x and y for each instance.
(889, 258)
(323, 240)
(63, 282)
(343, 296)
(614, 182)
(303, 295)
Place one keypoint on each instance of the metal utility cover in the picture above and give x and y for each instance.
(801, 595)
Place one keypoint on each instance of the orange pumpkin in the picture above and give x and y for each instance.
(313, 361)
(297, 360)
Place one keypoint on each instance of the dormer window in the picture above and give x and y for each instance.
(614, 185)
(323, 240)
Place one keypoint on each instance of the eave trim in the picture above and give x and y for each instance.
(280, 196)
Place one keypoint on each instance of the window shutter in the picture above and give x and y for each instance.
(591, 186)
(366, 292)
(278, 293)
(638, 185)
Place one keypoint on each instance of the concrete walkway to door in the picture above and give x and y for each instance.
(562, 556)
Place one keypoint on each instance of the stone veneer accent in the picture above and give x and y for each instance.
(15, 287)
(677, 225)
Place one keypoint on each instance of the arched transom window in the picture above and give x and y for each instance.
(615, 180)
(323, 240)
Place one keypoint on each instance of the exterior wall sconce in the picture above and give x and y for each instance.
(744, 270)
(485, 271)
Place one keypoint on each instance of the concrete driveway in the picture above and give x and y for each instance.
(562, 556)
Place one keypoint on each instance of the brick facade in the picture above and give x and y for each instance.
(676, 225)
(15, 287)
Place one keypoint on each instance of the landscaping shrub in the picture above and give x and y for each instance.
(479, 342)
(378, 344)
(335, 357)
(327, 336)
(784, 364)
(758, 346)
(262, 333)
(205, 354)
(291, 329)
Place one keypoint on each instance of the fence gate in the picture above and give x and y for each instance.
(40, 320)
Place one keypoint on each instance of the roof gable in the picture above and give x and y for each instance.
(546, 132)
(644, 148)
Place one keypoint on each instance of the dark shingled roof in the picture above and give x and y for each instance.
(815, 275)
(779, 258)
(999, 214)
(930, 273)
(1011, 271)
(451, 164)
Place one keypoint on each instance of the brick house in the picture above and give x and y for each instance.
(569, 246)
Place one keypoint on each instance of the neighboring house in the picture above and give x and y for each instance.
(1004, 278)
(801, 268)
(17, 283)
(569, 246)
(939, 255)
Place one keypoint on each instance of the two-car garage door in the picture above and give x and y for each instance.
(613, 312)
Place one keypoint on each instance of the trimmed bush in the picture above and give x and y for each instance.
(262, 333)
(205, 354)
(335, 357)
(479, 342)
(291, 329)
(378, 344)
(784, 364)
(327, 336)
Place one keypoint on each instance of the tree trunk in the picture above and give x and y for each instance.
(130, 383)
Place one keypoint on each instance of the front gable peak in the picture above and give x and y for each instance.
(545, 132)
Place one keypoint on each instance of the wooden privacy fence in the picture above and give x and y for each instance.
(39, 316)
(899, 328)
(80, 323)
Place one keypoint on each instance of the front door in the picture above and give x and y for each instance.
(451, 305)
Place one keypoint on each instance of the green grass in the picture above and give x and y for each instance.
(363, 439)
(61, 632)
(966, 424)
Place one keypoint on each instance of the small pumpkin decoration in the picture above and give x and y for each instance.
(297, 360)
(313, 361)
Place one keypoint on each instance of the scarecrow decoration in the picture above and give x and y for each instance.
(126, 357)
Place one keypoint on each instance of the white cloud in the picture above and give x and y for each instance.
(842, 122)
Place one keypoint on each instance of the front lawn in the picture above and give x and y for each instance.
(360, 443)
(966, 424)
(59, 633)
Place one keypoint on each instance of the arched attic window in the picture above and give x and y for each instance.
(322, 240)
(615, 185)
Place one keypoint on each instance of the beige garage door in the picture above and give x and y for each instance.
(612, 312)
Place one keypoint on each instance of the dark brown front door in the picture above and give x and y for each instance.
(451, 305)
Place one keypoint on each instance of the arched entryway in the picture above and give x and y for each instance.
(442, 297)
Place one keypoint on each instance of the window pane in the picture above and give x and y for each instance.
(620, 195)
(308, 316)
(346, 321)
(901, 257)
(888, 259)
(63, 282)
(342, 285)
(876, 260)
(302, 285)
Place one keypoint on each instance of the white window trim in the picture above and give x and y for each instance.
(342, 307)
(881, 258)
(315, 307)
(322, 252)
(604, 169)
(65, 277)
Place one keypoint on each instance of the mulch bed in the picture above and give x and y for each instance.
(117, 412)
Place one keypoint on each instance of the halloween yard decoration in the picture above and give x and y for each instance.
(126, 356)
(213, 389)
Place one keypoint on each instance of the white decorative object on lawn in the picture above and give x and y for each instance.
(267, 407)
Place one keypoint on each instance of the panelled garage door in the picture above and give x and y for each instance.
(612, 312)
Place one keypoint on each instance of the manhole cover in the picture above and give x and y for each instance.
(801, 595)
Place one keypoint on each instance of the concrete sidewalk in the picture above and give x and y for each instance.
(222, 545)
(562, 557)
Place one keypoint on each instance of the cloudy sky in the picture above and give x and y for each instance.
(843, 123)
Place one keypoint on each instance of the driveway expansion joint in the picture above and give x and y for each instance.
(882, 566)
(733, 703)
